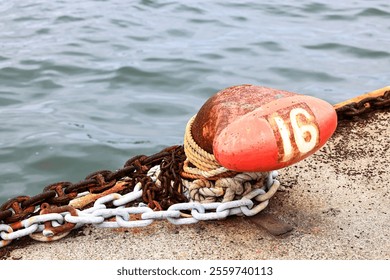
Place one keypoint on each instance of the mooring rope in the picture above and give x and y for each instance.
(197, 156)
(208, 181)
(203, 164)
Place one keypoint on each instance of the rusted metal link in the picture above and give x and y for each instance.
(383, 101)
(19, 212)
(39, 198)
(61, 197)
(5, 214)
(80, 187)
(102, 183)
(103, 173)
(155, 206)
(66, 227)
(130, 161)
(352, 110)
(170, 169)
(126, 171)
(25, 207)
(157, 158)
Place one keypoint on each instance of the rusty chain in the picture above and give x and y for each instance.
(364, 105)
(124, 211)
(61, 193)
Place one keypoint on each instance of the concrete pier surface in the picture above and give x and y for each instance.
(337, 203)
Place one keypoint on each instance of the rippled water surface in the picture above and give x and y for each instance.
(84, 85)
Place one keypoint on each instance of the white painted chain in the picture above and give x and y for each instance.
(249, 205)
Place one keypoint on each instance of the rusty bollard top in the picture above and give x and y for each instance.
(255, 128)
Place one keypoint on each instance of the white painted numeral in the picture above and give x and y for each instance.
(305, 135)
(285, 134)
(300, 132)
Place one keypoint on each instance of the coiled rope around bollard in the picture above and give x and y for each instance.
(208, 181)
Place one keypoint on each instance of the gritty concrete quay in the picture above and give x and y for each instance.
(337, 203)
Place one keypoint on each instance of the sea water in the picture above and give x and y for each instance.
(85, 85)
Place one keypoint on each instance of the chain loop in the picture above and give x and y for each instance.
(5, 230)
(182, 207)
(19, 212)
(19, 233)
(51, 230)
